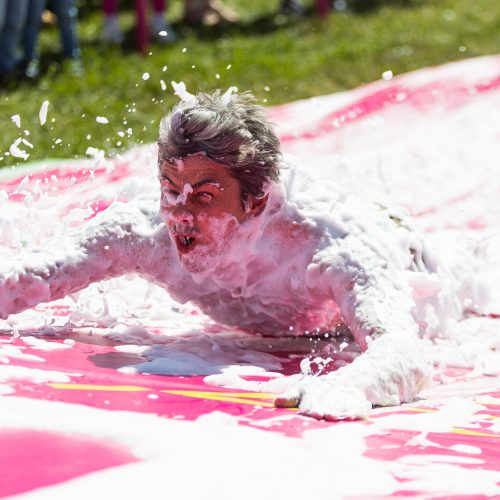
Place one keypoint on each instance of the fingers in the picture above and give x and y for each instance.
(287, 401)
(319, 399)
(291, 398)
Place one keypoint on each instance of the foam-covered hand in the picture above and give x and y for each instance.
(320, 397)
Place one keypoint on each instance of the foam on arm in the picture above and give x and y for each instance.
(375, 301)
(117, 241)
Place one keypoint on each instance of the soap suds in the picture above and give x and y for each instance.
(449, 183)
(43, 112)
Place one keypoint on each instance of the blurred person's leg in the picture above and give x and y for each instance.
(208, 12)
(30, 37)
(322, 7)
(294, 7)
(141, 31)
(3, 10)
(11, 33)
(161, 31)
(67, 20)
(111, 32)
(110, 7)
(159, 6)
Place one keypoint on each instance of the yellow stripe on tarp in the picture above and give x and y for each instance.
(467, 432)
(463, 432)
(496, 402)
(420, 410)
(249, 398)
(229, 397)
(255, 395)
(91, 387)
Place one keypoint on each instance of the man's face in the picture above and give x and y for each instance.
(202, 207)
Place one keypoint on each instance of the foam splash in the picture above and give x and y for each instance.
(42, 114)
(181, 91)
(16, 120)
(451, 191)
(16, 152)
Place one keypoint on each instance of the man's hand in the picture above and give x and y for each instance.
(392, 371)
(320, 397)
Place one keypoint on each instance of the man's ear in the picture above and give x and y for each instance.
(255, 206)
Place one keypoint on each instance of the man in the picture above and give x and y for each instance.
(274, 255)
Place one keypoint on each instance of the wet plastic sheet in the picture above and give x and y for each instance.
(452, 428)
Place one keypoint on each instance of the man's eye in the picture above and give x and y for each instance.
(204, 196)
(170, 193)
(169, 196)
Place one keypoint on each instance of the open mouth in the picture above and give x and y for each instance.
(184, 242)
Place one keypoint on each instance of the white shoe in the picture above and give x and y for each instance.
(161, 31)
(111, 32)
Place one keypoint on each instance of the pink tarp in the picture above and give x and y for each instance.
(325, 128)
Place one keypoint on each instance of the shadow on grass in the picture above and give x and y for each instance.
(269, 22)
(51, 64)
(88, 8)
(365, 6)
(261, 24)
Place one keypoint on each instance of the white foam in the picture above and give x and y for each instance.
(17, 120)
(44, 345)
(181, 91)
(16, 152)
(250, 281)
(34, 375)
(42, 114)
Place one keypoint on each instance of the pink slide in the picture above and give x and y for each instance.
(121, 393)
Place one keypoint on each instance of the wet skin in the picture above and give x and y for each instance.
(195, 191)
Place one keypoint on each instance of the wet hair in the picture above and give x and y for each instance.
(229, 129)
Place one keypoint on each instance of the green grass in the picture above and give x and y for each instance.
(279, 59)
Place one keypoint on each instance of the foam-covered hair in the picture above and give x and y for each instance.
(229, 129)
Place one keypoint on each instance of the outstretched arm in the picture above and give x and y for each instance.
(118, 240)
(375, 301)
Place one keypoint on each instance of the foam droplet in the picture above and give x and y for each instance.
(17, 120)
(43, 112)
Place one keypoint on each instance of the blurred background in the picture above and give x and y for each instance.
(104, 68)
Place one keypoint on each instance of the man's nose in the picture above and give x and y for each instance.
(180, 213)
